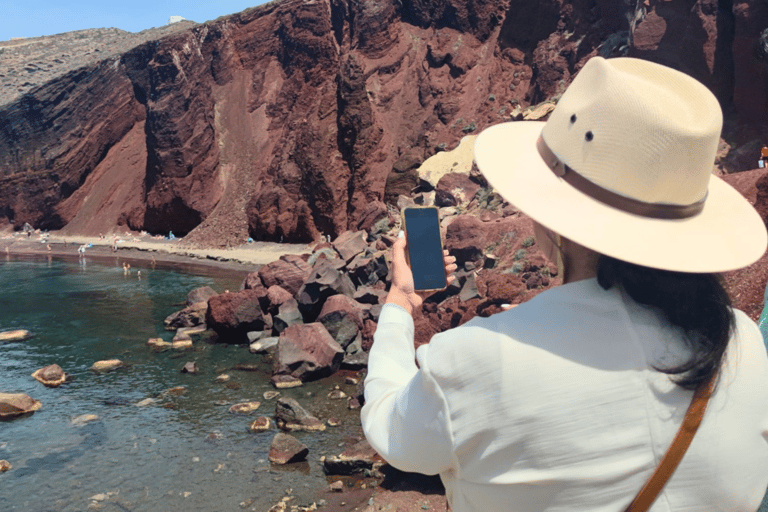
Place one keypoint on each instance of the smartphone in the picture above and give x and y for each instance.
(424, 249)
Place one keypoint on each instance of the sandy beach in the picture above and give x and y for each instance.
(146, 247)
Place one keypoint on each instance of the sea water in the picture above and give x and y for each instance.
(185, 452)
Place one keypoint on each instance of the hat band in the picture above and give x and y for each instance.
(624, 203)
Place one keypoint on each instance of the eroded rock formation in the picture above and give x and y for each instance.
(288, 121)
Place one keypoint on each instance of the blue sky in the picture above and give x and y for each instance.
(32, 18)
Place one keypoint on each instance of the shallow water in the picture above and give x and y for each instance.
(182, 452)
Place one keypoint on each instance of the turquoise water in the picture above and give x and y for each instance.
(182, 452)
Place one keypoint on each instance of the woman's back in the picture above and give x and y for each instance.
(571, 415)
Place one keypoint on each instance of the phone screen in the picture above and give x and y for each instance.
(425, 248)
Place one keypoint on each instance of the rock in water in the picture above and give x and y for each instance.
(106, 366)
(51, 376)
(13, 405)
(244, 408)
(261, 424)
(292, 416)
(190, 367)
(355, 459)
(158, 344)
(5, 466)
(16, 335)
(286, 449)
(78, 421)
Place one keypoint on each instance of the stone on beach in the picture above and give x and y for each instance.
(106, 365)
(355, 459)
(15, 335)
(244, 407)
(289, 415)
(51, 376)
(307, 352)
(286, 449)
(13, 405)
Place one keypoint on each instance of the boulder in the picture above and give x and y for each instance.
(15, 335)
(191, 316)
(368, 269)
(349, 244)
(369, 295)
(289, 272)
(286, 449)
(371, 215)
(233, 315)
(50, 376)
(465, 239)
(342, 317)
(264, 345)
(288, 315)
(13, 405)
(276, 296)
(106, 365)
(201, 294)
(460, 186)
(252, 282)
(289, 415)
(355, 459)
(307, 352)
(324, 280)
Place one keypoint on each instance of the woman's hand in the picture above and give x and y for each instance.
(402, 291)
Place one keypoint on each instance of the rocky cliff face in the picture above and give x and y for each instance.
(285, 121)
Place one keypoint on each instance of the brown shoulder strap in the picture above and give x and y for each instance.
(677, 449)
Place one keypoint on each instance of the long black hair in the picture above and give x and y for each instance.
(697, 303)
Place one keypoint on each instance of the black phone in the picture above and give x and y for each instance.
(424, 248)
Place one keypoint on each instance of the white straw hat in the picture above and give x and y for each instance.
(623, 166)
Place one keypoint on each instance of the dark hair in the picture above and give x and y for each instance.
(697, 303)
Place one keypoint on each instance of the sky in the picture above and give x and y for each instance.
(33, 18)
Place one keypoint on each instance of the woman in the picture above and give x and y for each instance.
(569, 401)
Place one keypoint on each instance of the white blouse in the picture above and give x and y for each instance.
(555, 406)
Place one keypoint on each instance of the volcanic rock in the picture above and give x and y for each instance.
(106, 366)
(349, 244)
(232, 315)
(191, 316)
(13, 405)
(342, 317)
(289, 272)
(288, 315)
(289, 415)
(324, 280)
(51, 376)
(354, 459)
(286, 449)
(307, 352)
(367, 270)
(465, 239)
(201, 294)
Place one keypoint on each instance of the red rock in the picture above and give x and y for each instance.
(231, 315)
(289, 272)
(349, 244)
(307, 352)
(286, 449)
(276, 297)
(465, 238)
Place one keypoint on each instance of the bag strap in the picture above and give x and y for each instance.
(677, 449)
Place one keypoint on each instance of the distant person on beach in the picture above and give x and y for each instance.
(569, 402)
(763, 163)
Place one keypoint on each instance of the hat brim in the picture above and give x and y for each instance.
(726, 235)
